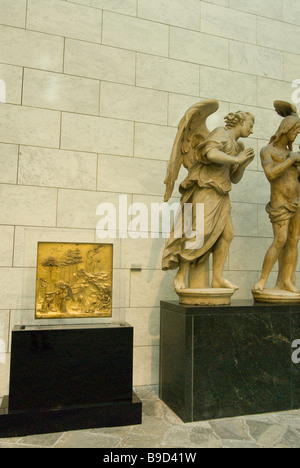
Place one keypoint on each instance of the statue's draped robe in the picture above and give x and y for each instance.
(208, 183)
(283, 213)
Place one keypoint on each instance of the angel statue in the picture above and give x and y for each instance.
(214, 161)
(282, 169)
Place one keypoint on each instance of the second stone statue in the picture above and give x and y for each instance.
(282, 169)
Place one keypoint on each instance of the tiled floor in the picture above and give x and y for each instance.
(162, 429)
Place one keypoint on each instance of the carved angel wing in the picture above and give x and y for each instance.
(192, 131)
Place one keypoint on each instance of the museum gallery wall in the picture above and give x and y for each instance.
(90, 105)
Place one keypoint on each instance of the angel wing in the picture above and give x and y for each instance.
(192, 131)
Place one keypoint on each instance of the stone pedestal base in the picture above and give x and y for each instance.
(219, 362)
(208, 297)
(274, 296)
(111, 414)
(70, 377)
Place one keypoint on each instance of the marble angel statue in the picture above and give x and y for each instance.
(214, 161)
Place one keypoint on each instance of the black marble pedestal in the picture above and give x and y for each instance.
(70, 377)
(227, 361)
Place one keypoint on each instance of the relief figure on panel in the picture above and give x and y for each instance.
(214, 161)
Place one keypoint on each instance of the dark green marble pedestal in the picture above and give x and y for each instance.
(227, 361)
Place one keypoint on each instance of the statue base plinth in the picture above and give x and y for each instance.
(228, 361)
(273, 296)
(209, 296)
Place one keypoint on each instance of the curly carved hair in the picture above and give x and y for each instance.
(235, 118)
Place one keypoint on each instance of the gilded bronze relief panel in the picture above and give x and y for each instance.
(74, 280)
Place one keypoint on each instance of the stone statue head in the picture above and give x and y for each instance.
(290, 125)
(235, 118)
(244, 119)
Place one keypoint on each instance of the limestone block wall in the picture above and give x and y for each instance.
(94, 91)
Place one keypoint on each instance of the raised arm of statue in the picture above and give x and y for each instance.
(275, 167)
(219, 157)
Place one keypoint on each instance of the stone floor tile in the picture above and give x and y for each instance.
(267, 417)
(86, 439)
(230, 429)
(147, 393)
(152, 425)
(42, 440)
(290, 439)
(114, 431)
(10, 440)
(140, 441)
(291, 418)
(159, 410)
(15, 446)
(240, 444)
(265, 433)
(192, 437)
(161, 428)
